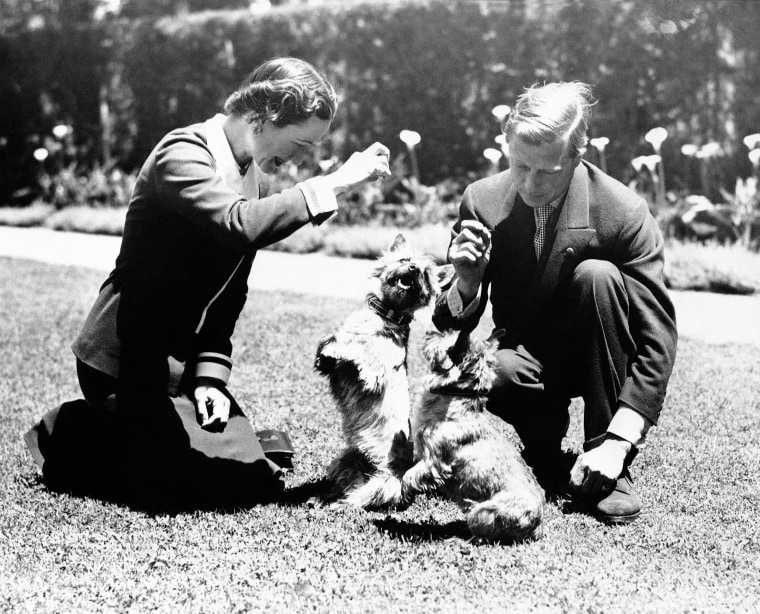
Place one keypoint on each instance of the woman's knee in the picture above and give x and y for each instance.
(96, 386)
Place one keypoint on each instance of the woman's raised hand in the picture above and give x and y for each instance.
(367, 165)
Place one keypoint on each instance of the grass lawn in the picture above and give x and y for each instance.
(695, 549)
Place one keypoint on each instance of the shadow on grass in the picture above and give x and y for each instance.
(417, 532)
(159, 504)
(457, 530)
(152, 504)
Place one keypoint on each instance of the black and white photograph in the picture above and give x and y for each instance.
(372, 306)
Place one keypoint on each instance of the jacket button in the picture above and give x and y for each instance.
(570, 252)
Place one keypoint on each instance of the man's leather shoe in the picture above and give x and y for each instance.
(622, 505)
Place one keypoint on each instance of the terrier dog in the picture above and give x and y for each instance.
(365, 363)
(459, 450)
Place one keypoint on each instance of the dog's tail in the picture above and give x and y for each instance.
(381, 491)
(508, 516)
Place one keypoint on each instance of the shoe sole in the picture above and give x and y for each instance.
(628, 519)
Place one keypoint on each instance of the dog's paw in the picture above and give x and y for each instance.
(341, 504)
(408, 495)
(372, 378)
(381, 492)
(325, 358)
(324, 364)
(315, 502)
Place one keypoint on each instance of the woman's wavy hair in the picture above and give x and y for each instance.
(284, 91)
(545, 113)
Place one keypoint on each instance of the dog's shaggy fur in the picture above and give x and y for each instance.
(459, 450)
(365, 362)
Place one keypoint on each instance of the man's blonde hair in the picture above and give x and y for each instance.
(544, 114)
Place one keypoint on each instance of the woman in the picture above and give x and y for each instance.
(159, 331)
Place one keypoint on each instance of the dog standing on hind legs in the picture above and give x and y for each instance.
(458, 449)
(365, 363)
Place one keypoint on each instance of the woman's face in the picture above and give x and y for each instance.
(274, 146)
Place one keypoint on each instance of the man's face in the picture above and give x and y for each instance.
(541, 173)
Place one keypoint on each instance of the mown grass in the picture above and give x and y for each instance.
(695, 549)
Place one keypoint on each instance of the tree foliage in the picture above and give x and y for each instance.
(439, 68)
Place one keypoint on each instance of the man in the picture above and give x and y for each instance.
(572, 261)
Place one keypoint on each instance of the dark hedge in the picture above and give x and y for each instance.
(434, 67)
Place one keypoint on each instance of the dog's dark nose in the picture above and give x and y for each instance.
(413, 267)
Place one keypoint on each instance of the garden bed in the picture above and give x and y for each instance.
(709, 267)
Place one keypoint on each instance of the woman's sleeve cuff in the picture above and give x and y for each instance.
(211, 364)
(320, 199)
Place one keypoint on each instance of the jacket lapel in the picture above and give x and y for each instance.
(572, 234)
(226, 167)
(510, 199)
(252, 184)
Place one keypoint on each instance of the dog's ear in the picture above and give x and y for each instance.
(398, 243)
(435, 348)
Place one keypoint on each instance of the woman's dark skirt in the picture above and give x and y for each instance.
(156, 457)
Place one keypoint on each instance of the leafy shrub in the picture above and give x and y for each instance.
(745, 205)
(93, 220)
(688, 266)
(305, 240)
(74, 186)
(397, 201)
(434, 67)
(729, 269)
(370, 241)
(358, 242)
(33, 215)
(694, 217)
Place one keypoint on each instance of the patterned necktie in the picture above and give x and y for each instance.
(542, 216)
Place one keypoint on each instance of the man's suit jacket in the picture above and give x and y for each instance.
(600, 219)
(192, 231)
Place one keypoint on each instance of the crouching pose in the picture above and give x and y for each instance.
(458, 450)
(572, 261)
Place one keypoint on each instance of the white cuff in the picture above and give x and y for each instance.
(211, 364)
(630, 425)
(457, 307)
(320, 198)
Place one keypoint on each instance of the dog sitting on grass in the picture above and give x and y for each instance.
(365, 363)
(458, 449)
